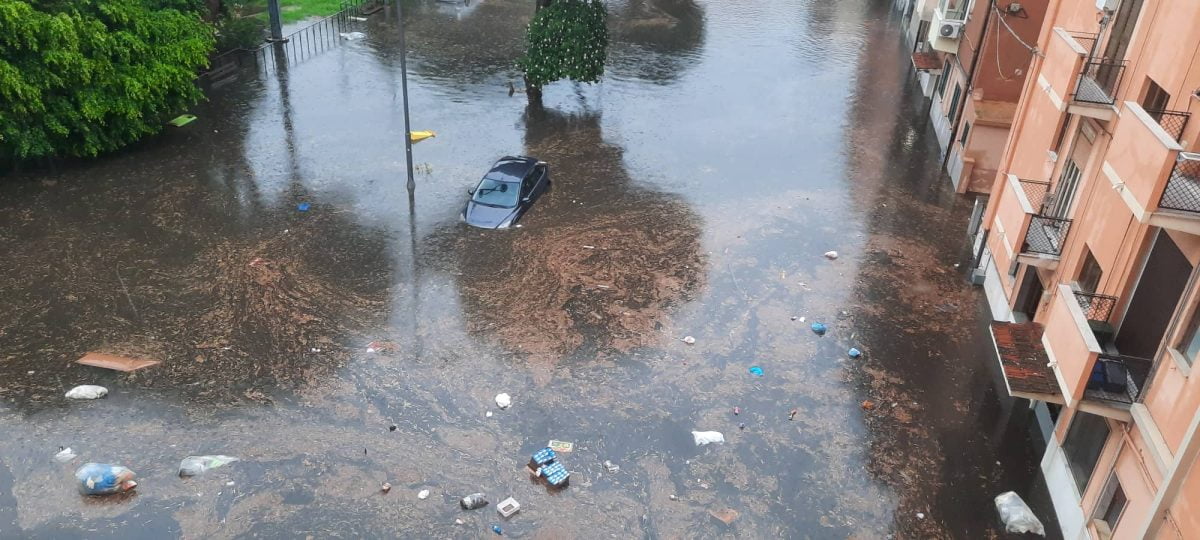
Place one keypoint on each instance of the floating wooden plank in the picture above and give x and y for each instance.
(118, 363)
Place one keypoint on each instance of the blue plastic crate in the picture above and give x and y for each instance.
(555, 474)
(544, 456)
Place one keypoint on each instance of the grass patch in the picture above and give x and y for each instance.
(294, 10)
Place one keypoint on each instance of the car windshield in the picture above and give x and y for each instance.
(492, 192)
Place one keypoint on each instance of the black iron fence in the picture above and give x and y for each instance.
(1096, 307)
(1035, 192)
(300, 45)
(1046, 235)
(1099, 81)
(321, 35)
(1118, 378)
(1183, 188)
(1173, 122)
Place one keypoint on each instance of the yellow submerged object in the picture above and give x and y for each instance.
(418, 136)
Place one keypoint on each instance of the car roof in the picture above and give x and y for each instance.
(514, 167)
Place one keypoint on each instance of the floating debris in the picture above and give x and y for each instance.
(114, 362)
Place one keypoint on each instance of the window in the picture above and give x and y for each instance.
(498, 193)
(1156, 99)
(941, 87)
(966, 131)
(1112, 503)
(1190, 346)
(1082, 446)
(953, 114)
(1089, 273)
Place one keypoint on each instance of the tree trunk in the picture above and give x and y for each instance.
(215, 7)
(534, 93)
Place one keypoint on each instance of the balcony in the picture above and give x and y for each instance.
(1064, 362)
(1096, 88)
(949, 19)
(1113, 378)
(1045, 237)
(1172, 122)
(1158, 181)
(1026, 233)
(1183, 187)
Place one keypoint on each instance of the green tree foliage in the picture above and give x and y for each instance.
(567, 40)
(84, 77)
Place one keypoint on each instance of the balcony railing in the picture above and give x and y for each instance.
(1116, 378)
(1046, 235)
(1096, 307)
(1035, 192)
(1099, 81)
(953, 10)
(1173, 122)
(1183, 188)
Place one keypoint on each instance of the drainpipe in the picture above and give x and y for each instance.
(987, 18)
(1168, 490)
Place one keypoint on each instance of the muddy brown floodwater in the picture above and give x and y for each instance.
(695, 189)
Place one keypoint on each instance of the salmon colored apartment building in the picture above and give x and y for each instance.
(1089, 250)
(971, 59)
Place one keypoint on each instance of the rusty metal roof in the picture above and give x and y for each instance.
(926, 61)
(1023, 358)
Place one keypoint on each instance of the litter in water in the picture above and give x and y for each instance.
(303, 207)
(503, 400)
(64, 455)
(707, 437)
(561, 446)
(113, 362)
(689, 340)
(1017, 516)
(182, 120)
(87, 391)
(756, 371)
(104, 479)
(726, 515)
(508, 507)
(194, 465)
(473, 501)
(818, 328)
(854, 353)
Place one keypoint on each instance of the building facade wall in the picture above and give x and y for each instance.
(1124, 157)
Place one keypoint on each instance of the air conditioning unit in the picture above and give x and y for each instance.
(950, 29)
(1106, 5)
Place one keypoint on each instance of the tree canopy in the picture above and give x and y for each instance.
(566, 40)
(83, 77)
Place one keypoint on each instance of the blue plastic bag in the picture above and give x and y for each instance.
(104, 479)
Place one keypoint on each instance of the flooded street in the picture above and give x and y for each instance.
(696, 188)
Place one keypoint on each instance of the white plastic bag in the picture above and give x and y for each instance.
(87, 391)
(194, 465)
(65, 455)
(503, 400)
(707, 437)
(1017, 516)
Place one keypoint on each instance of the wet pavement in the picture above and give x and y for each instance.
(696, 188)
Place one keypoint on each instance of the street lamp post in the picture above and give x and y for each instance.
(404, 93)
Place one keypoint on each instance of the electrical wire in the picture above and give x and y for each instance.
(1032, 50)
(999, 70)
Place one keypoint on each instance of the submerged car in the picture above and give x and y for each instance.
(506, 192)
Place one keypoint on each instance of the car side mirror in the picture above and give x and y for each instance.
(470, 191)
(525, 199)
